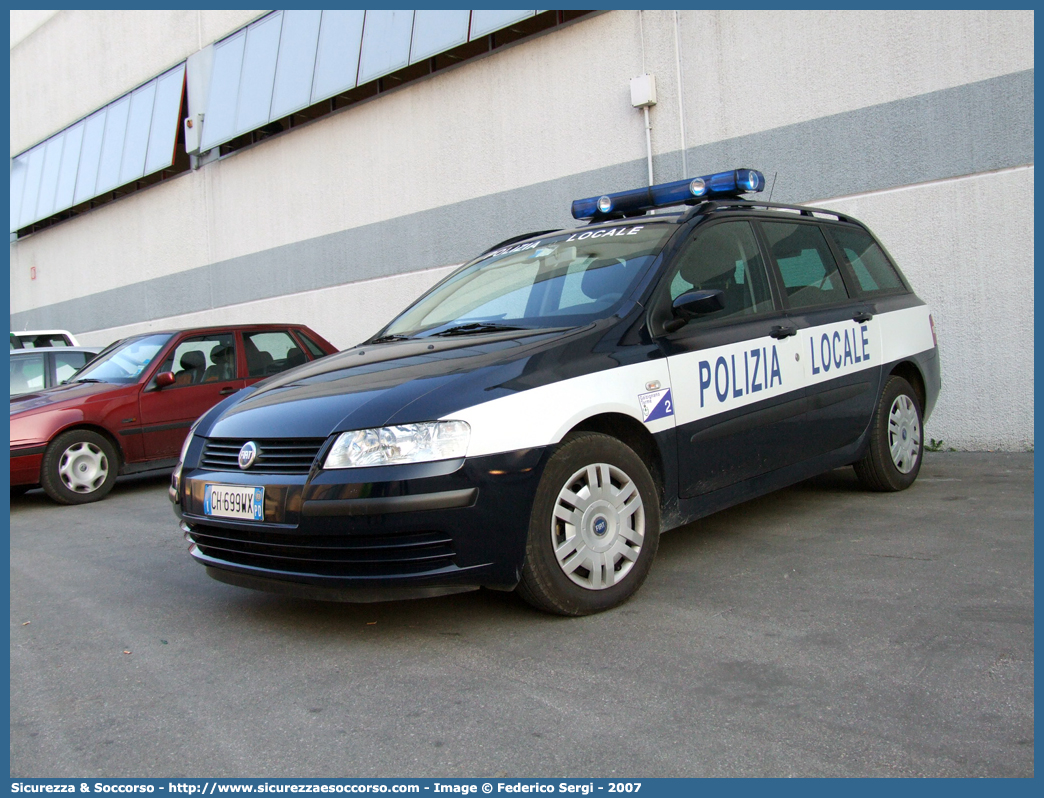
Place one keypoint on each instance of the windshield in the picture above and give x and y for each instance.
(123, 362)
(562, 280)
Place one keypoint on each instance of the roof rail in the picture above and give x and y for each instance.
(522, 237)
(804, 210)
(615, 216)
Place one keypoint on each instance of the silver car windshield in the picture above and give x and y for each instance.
(562, 280)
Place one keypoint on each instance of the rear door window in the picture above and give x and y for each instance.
(271, 352)
(806, 264)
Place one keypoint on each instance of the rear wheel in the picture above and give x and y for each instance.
(896, 449)
(79, 466)
(594, 529)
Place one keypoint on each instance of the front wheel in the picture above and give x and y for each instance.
(896, 449)
(594, 529)
(79, 466)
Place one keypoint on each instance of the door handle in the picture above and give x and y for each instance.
(863, 315)
(780, 331)
(226, 391)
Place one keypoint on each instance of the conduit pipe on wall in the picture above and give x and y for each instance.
(648, 142)
(681, 99)
(637, 102)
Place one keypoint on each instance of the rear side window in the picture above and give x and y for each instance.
(51, 339)
(41, 341)
(271, 352)
(316, 350)
(810, 274)
(871, 266)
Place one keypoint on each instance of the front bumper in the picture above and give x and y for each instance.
(372, 534)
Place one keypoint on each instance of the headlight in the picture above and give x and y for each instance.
(174, 491)
(407, 443)
(188, 440)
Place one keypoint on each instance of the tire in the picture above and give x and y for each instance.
(79, 466)
(896, 448)
(600, 559)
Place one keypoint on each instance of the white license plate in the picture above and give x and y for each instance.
(234, 501)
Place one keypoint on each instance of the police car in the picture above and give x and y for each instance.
(536, 419)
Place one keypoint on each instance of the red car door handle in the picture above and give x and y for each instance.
(226, 391)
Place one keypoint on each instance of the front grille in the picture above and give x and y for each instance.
(277, 456)
(389, 554)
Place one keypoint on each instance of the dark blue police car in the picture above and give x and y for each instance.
(536, 419)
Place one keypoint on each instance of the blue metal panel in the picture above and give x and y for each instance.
(259, 68)
(90, 153)
(337, 61)
(136, 143)
(296, 66)
(49, 178)
(435, 32)
(485, 22)
(112, 145)
(32, 185)
(284, 62)
(63, 195)
(385, 43)
(261, 73)
(19, 169)
(166, 117)
(219, 123)
(127, 139)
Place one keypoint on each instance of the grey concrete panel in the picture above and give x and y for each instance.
(965, 130)
(970, 129)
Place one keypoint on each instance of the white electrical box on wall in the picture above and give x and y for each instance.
(643, 91)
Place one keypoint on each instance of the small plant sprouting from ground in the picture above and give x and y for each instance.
(934, 446)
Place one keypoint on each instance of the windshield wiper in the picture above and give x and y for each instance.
(477, 327)
(386, 338)
(88, 379)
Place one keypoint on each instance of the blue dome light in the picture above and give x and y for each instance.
(639, 200)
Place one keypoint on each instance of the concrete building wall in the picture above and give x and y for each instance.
(967, 246)
(920, 123)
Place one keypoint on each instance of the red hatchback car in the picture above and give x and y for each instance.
(131, 407)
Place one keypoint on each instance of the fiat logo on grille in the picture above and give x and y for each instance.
(247, 455)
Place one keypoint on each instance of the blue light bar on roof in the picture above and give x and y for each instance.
(722, 184)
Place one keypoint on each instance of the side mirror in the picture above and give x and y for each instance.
(164, 379)
(692, 304)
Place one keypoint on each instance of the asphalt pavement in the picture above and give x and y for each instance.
(819, 631)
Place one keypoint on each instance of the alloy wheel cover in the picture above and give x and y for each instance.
(598, 526)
